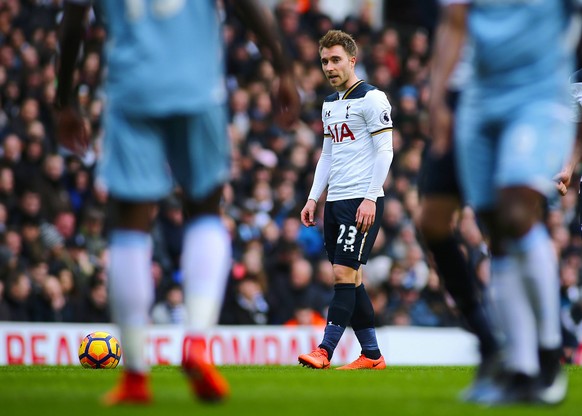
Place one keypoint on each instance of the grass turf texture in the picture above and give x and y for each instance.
(265, 390)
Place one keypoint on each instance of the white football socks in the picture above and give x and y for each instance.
(131, 293)
(525, 287)
(206, 261)
(540, 268)
(514, 315)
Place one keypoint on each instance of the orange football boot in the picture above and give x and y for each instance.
(315, 359)
(133, 388)
(205, 380)
(365, 363)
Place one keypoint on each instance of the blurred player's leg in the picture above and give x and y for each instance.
(518, 324)
(205, 263)
(199, 154)
(526, 289)
(130, 179)
(440, 200)
(131, 295)
(542, 282)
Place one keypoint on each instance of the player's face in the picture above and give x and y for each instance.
(338, 66)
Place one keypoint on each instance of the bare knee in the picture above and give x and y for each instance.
(344, 274)
(136, 216)
(436, 218)
(209, 205)
(518, 210)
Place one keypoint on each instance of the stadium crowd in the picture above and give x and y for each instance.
(53, 217)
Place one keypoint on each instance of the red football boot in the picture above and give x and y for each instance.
(205, 380)
(133, 388)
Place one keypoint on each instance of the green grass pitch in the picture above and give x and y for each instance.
(265, 390)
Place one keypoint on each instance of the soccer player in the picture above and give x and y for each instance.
(565, 176)
(165, 108)
(440, 199)
(357, 153)
(511, 137)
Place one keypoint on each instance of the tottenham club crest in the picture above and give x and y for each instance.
(385, 117)
(348, 111)
(327, 113)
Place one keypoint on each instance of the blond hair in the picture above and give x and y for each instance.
(338, 37)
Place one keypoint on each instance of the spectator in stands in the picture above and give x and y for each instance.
(304, 315)
(18, 291)
(92, 229)
(65, 223)
(33, 249)
(172, 309)
(8, 196)
(249, 306)
(322, 286)
(53, 191)
(11, 151)
(93, 305)
(29, 206)
(50, 304)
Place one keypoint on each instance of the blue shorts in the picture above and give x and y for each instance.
(526, 146)
(344, 244)
(143, 157)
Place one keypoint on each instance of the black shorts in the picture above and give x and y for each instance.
(344, 244)
(438, 175)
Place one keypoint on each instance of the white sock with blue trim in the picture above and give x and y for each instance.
(540, 270)
(206, 262)
(514, 315)
(131, 293)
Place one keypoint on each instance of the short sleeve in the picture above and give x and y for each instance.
(323, 119)
(377, 112)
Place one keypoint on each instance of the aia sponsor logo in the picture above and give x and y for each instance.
(339, 132)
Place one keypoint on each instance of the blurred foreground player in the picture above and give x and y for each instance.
(165, 106)
(441, 198)
(512, 135)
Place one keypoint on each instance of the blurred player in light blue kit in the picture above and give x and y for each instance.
(165, 120)
(513, 134)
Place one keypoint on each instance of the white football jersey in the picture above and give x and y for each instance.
(352, 122)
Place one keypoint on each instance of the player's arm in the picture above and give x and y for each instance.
(565, 176)
(71, 131)
(379, 124)
(450, 38)
(261, 22)
(320, 180)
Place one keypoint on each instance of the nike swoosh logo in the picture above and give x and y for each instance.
(376, 364)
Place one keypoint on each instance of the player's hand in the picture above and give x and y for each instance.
(287, 101)
(365, 215)
(441, 127)
(71, 132)
(308, 213)
(563, 181)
